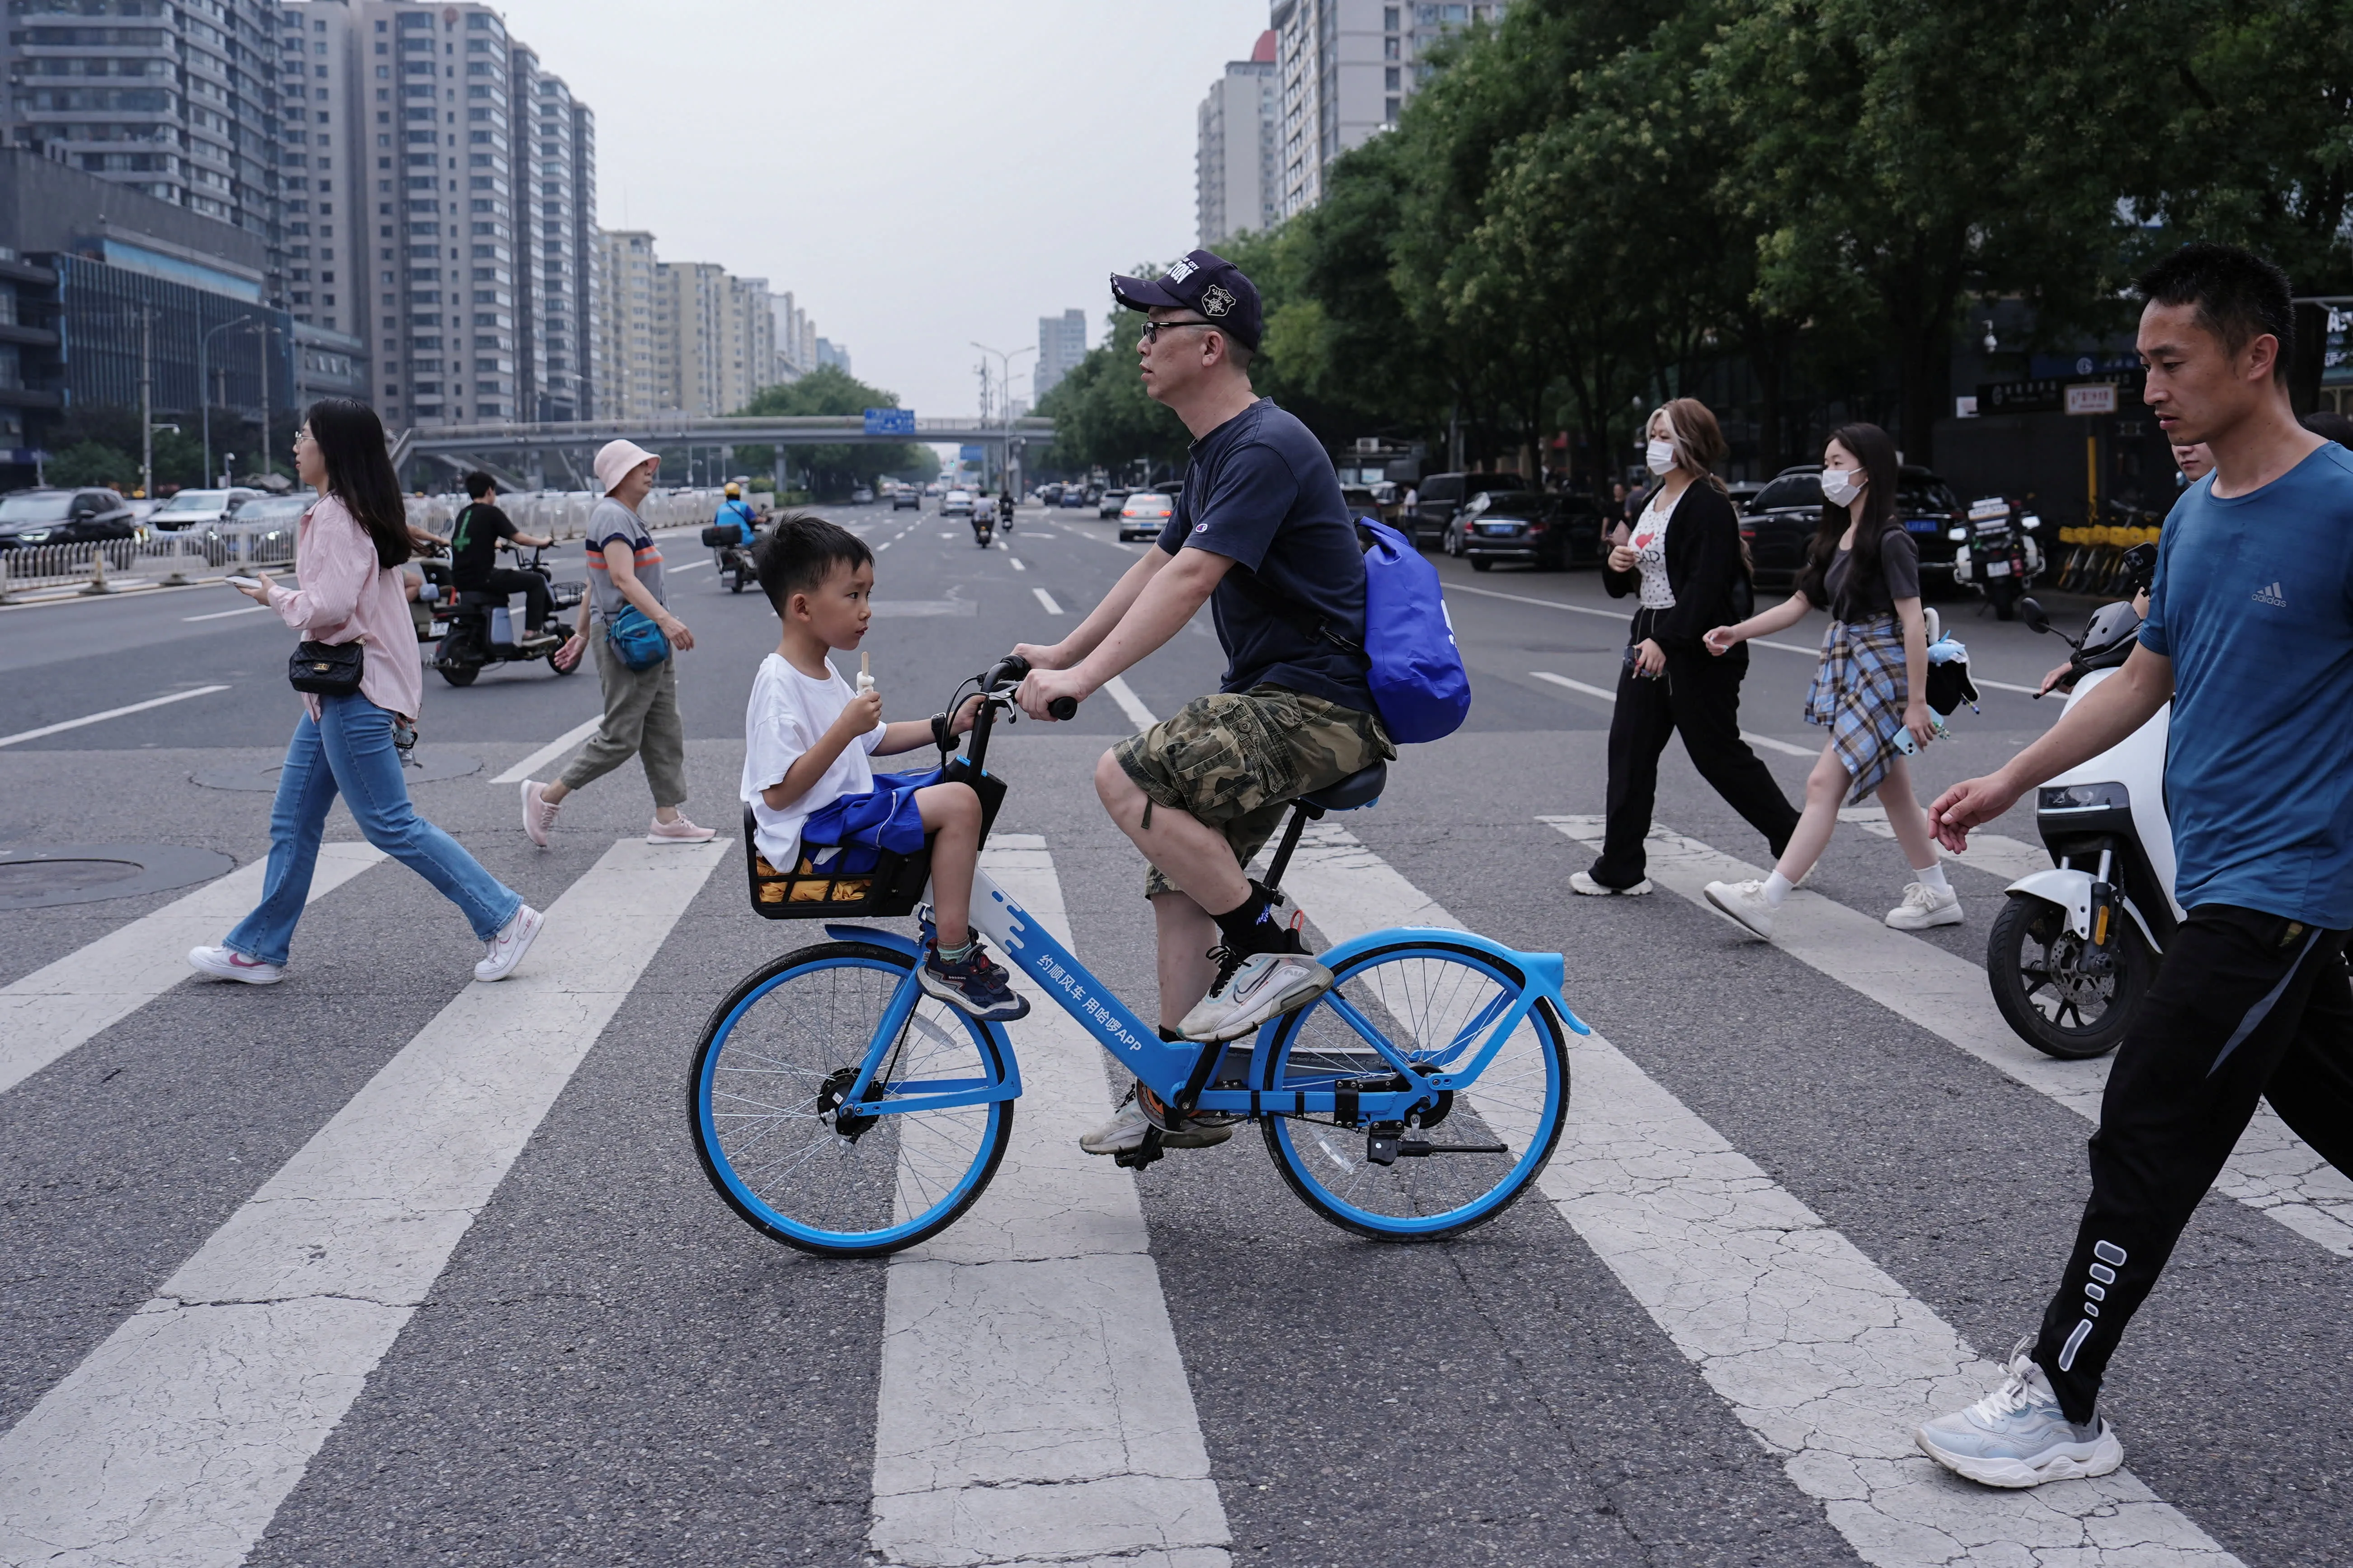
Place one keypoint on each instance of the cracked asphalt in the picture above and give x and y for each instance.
(612, 1369)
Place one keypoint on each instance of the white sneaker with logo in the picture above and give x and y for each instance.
(2018, 1437)
(504, 951)
(228, 964)
(1250, 989)
(1925, 906)
(1124, 1133)
(1743, 903)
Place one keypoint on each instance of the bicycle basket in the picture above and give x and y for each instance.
(893, 887)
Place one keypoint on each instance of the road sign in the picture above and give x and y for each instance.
(889, 422)
(972, 454)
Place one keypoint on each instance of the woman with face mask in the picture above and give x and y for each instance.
(1681, 558)
(1870, 690)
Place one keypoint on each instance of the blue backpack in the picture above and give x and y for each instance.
(1415, 670)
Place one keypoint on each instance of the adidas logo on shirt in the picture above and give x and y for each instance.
(2272, 596)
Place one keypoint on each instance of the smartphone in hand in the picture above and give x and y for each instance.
(243, 582)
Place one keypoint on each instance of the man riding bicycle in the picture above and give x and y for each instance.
(1263, 534)
(474, 541)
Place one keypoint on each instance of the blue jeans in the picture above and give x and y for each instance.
(349, 748)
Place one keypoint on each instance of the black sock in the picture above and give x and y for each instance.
(1250, 925)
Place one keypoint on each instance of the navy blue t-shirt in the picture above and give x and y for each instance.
(2253, 603)
(1261, 489)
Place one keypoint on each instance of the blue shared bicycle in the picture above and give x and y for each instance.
(838, 1108)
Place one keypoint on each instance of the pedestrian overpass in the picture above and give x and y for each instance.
(511, 449)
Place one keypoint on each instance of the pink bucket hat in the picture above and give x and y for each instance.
(614, 461)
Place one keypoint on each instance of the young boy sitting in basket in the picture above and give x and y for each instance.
(807, 736)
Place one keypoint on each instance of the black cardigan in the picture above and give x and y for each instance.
(1704, 568)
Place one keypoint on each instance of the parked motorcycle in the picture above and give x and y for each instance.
(2076, 948)
(1997, 553)
(481, 630)
(730, 544)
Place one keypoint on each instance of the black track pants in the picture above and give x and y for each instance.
(537, 600)
(1699, 697)
(2245, 1006)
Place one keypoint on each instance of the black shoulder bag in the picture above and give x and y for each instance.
(326, 669)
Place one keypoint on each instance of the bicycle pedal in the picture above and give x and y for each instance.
(1142, 1155)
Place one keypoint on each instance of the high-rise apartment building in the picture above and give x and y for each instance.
(1237, 168)
(555, 215)
(1061, 344)
(796, 339)
(1345, 69)
(320, 180)
(625, 355)
(834, 355)
(681, 338)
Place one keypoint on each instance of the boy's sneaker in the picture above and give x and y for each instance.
(504, 951)
(678, 830)
(228, 964)
(1925, 906)
(972, 985)
(538, 812)
(1124, 1133)
(1578, 882)
(2018, 1436)
(1743, 903)
(1255, 986)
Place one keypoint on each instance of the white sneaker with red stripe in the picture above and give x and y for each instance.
(228, 964)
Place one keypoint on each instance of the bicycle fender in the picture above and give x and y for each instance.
(891, 940)
(2069, 889)
(1546, 972)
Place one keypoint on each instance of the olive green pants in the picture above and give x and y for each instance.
(641, 721)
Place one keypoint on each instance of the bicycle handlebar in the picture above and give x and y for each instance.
(1011, 670)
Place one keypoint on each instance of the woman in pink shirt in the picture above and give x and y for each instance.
(347, 556)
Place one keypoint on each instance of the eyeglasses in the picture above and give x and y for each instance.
(1152, 330)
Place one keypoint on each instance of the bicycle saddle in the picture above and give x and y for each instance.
(1359, 790)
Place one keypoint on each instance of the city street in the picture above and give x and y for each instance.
(377, 1266)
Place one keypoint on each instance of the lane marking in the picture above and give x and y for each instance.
(1032, 1406)
(111, 712)
(63, 1005)
(1828, 1361)
(885, 545)
(224, 615)
(1992, 853)
(689, 566)
(1048, 600)
(1767, 741)
(549, 752)
(176, 1441)
(1129, 702)
(1016, 565)
(2272, 1170)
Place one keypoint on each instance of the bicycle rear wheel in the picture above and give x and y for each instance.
(1435, 1003)
(764, 1101)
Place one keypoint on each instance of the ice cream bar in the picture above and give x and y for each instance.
(865, 673)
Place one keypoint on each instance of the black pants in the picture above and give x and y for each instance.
(1699, 695)
(2245, 1006)
(538, 601)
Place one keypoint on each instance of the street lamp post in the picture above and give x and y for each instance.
(1005, 379)
(204, 385)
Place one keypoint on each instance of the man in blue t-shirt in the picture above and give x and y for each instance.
(1263, 535)
(2249, 637)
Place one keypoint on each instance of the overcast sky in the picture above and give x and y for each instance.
(920, 174)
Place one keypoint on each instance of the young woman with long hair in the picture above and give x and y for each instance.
(1681, 558)
(347, 557)
(1870, 690)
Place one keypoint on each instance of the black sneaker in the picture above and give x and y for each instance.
(974, 986)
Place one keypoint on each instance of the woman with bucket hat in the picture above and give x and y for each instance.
(635, 636)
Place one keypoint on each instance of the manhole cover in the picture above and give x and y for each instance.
(38, 878)
(433, 763)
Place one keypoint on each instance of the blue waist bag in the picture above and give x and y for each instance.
(636, 639)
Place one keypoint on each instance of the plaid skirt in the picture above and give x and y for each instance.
(1858, 692)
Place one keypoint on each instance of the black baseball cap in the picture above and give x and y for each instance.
(1204, 282)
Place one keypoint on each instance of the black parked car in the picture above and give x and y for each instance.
(1782, 518)
(1439, 497)
(29, 519)
(1523, 528)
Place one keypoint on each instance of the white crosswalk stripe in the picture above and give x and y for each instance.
(1064, 1433)
(2272, 1170)
(62, 1005)
(1828, 1360)
(176, 1441)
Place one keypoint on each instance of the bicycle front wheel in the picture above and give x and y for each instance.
(1435, 1003)
(765, 1102)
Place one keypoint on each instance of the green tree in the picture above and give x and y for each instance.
(834, 470)
(93, 463)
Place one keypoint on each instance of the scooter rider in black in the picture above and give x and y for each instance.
(473, 545)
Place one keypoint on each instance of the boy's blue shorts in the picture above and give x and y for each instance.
(856, 827)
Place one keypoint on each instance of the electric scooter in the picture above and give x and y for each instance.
(1997, 554)
(2076, 948)
(984, 525)
(731, 552)
(481, 630)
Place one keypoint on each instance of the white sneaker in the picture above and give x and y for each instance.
(1925, 906)
(1578, 882)
(678, 830)
(227, 963)
(1124, 1133)
(1743, 903)
(504, 951)
(2017, 1435)
(538, 812)
(1250, 989)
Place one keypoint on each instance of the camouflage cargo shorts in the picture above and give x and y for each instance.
(1236, 759)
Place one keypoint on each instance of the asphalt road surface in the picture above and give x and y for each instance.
(379, 1268)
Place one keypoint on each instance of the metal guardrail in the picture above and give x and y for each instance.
(564, 514)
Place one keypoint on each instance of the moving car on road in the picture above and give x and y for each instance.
(33, 518)
(1782, 518)
(906, 496)
(956, 503)
(1074, 495)
(190, 508)
(860, 495)
(1113, 499)
(1441, 496)
(1144, 514)
(1523, 528)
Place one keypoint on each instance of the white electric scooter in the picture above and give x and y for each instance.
(2076, 948)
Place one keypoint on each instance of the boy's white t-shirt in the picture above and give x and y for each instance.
(789, 713)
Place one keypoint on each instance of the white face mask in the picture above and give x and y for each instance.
(1840, 486)
(1660, 455)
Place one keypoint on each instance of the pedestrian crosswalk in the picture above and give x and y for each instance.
(1035, 1400)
